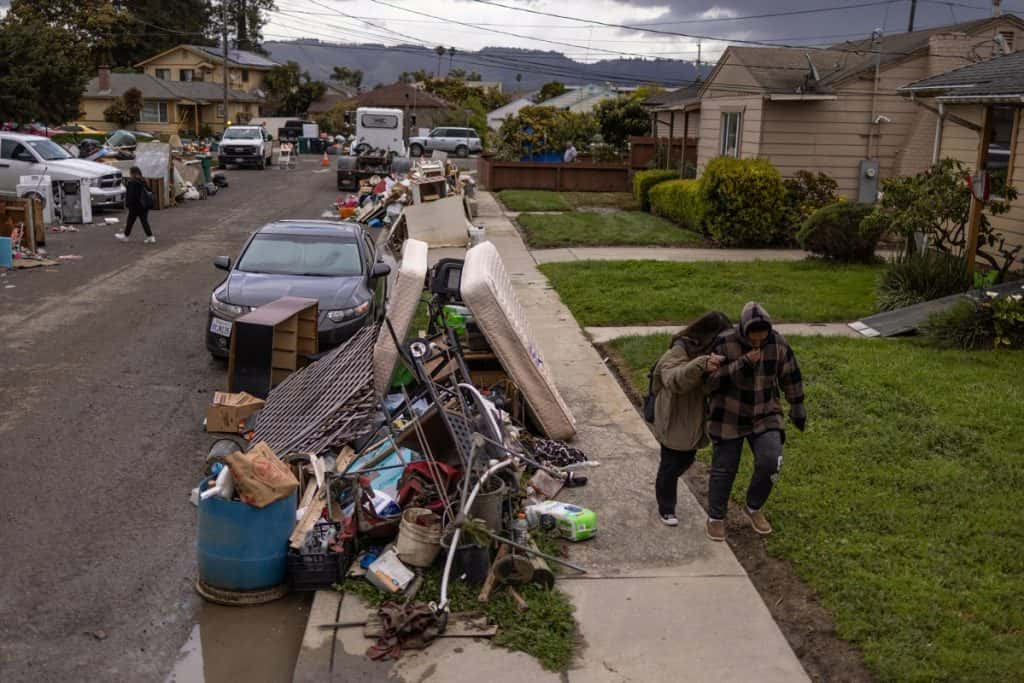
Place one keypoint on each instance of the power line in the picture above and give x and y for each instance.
(768, 15)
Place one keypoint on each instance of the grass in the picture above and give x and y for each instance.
(901, 504)
(653, 292)
(586, 229)
(546, 200)
(546, 631)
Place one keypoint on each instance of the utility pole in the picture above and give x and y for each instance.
(224, 40)
(698, 55)
(996, 9)
(913, 11)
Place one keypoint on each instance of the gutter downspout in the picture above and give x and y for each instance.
(939, 123)
(877, 37)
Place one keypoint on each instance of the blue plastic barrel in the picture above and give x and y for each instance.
(241, 547)
(5, 253)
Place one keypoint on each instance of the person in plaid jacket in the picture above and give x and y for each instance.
(744, 405)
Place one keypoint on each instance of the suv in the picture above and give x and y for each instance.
(22, 155)
(461, 141)
(245, 146)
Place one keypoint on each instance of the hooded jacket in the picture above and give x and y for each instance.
(745, 396)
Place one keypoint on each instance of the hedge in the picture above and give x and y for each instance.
(835, 232)
(643, 181)
(744, 202)
(678, 201)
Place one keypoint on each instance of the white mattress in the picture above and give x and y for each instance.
(404, 298)
(441, 223)
(487, 291)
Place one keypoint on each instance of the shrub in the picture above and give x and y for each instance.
(835, 233)
(643, 181)
(678, 201)
(807, 192)
(743, 202)
(915, 278)
(992, 322)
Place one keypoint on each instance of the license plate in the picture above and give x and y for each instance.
(221, 327)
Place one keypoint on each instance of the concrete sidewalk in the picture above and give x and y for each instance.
(603, 335)
(681, 255)
(659, 603)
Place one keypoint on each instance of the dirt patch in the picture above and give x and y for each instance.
(807, 625)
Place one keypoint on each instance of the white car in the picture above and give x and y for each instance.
(22, 155)
(460, 141)
(245, 146)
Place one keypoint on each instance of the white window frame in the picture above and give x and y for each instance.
(724, 146)
(158, 116)
(166, 74)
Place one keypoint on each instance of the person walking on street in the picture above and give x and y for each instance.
(744, 406)
(138, 199)
(677, 383)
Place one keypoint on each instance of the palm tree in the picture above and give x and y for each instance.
(451, 57)
(440, 53)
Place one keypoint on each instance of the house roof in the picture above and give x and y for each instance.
(579, 97)
(401, 95)
(329, 102)
(999, 77)
(153, 88)
(241, 58)
(675, 99)
(514, 105)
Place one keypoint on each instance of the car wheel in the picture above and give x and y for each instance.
(362, 149)
(416, 151)
(462, 151)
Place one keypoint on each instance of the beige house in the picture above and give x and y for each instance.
(184, 63)
(838, 110)
(980, 113)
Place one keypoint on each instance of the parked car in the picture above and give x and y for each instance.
(40, 129)
(22, 155)
(460, 141)
(129, 139)
(245, 146)
(338, 264)
(80, 130)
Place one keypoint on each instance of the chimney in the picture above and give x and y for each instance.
(103, 76)
(947, 51)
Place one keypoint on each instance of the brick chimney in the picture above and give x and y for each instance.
(948, 51)
(103, 76)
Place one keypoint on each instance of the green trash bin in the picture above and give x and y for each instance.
(207, 162)
(303, 145)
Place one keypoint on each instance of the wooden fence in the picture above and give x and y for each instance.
(578, 177)
(643, 150)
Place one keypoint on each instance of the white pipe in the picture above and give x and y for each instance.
(937, 146)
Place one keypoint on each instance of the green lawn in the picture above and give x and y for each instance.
(902, 504)
(545, 200)
(653, 292)
(619, 228)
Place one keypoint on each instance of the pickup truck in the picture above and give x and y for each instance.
(460, 141)
(245, 146)
(23, 155)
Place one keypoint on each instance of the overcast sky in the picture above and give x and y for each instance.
(801, 23)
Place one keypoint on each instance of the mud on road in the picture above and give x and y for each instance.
(105, 379)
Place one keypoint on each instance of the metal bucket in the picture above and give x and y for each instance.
(488, 503)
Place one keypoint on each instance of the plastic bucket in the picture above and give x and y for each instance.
(487, 504)
(470, 559)
(241, 547)
(418, 545)
(6, 261)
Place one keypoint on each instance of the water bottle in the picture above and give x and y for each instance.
(521, 530)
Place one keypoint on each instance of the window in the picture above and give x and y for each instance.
(163, 74)
(245, 75)
(301, 255)
(220, 110)
(154, 112)
(48, 150)
(998, 152)
(14, 150)
(378, 121)
(186, 75)
(730, 143)
(1007, 37)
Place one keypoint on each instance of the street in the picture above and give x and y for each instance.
(106, 379)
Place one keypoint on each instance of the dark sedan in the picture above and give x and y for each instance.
(335, 263)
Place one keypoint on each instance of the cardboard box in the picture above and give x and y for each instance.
(229, 411)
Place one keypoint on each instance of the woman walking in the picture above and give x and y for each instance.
(677, 384)
(138, 200)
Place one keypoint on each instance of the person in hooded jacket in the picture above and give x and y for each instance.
(744, 405)
(679, 416)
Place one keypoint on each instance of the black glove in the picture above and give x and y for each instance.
(798, 414)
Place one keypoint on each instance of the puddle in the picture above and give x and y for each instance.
(244, 643)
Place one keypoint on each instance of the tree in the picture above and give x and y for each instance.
(622, 117)
(347, 76)
(549, 90)
(43, 71)
(125, 110)
(291, 91)
(417, 76)
(247, 19)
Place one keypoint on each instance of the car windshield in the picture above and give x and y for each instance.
(241, 134)
(299, 255)
(48, 150)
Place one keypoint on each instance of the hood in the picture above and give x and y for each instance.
(698, 337)
(256, 289)
(68, 169)
(752, 312)
(241, 142)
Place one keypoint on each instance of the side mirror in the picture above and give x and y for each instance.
(222, 262)
(380, 270)
(412, 119)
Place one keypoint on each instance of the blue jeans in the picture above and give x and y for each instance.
(725, 461)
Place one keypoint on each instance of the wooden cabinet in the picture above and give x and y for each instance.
(270, 343)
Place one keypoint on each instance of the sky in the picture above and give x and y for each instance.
(712, 25)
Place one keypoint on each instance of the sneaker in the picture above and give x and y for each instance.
(150, 240)
(668, 519)
(121, 236)
(758, 521)
(715, 529)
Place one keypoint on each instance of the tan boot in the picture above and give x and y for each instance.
(758, 521)
(715, 529)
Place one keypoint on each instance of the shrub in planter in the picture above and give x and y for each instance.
(835, 233)
(643, 181)
(678, 201)
(919, 277)
(743, 201)
(993, 322)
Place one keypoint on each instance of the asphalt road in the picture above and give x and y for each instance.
(104, 383)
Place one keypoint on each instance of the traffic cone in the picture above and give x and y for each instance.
(325, 162)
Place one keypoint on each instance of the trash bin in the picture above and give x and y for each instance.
(207, 163)
(317, 146)
(303, 145)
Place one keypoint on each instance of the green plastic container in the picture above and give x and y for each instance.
(207, 162)
(456, 318)
(303, 145)
(572, 522)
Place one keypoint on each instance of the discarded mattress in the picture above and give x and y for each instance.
(405, 297)
(487, 291)
(440, 223)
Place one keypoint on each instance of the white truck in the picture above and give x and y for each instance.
(245, 146)
(33, 155)
(378, 147)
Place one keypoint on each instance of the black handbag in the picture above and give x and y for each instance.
(650, 398)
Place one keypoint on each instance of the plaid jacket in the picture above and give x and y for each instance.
(744, 398)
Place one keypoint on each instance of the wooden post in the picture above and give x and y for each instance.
(973, 224)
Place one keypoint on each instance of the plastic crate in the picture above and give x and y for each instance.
(317, 571)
